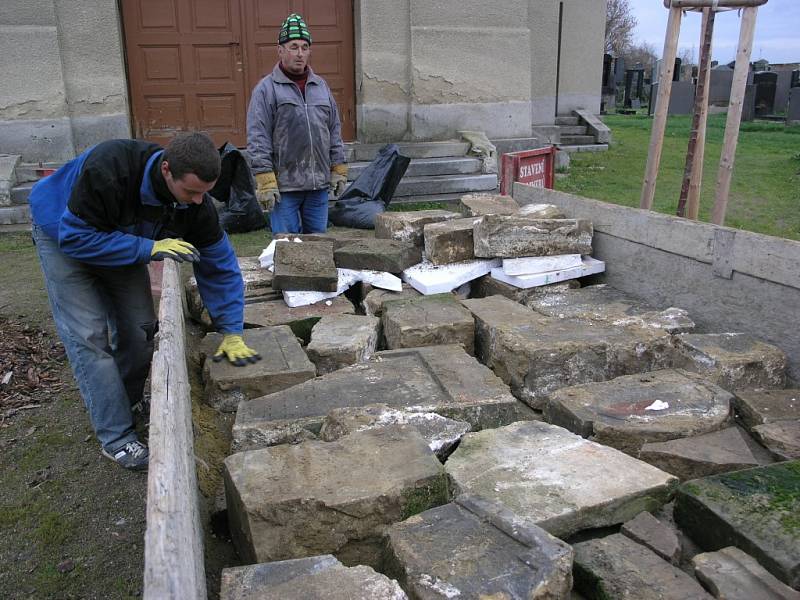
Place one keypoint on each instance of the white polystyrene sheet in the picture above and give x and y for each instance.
(531, 265)
(589, 266)
(428, 278)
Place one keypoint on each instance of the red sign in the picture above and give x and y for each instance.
(532, 167)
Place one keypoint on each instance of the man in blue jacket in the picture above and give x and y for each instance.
(97, 222)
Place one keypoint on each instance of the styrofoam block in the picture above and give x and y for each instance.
(530, 265)
(347, 277)
(590, 266)
(295, 299)
(378, 279)
(428, 278)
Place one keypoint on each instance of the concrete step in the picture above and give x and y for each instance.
(445, 184)
(567, 121)
(577, 140)
(449, 201)
(356, 152)
(572, 130)
(425, 167)
(584, 148)
(15, 215)
(20, 193)
(507, 145)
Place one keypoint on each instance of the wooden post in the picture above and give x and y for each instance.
(693, 4)
(662, 108)
(173, 542)
(693, 173)
(734, 114)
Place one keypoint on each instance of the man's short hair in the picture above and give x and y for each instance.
(195, 153)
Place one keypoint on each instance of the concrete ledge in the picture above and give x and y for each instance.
(8, 176)
(595, 126)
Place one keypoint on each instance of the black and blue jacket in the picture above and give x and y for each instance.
(108, 205)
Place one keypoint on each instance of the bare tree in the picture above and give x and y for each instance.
(620, 23)
(642, 53)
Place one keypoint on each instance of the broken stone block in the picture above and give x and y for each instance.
(438, 279)
(389, 256)
(767, 406)
(257, 282)
(555, 479)
(408, 226)
(731, 574)
(734, 361)
(291, 501)
(648, 531)
(719, 452)
(307, 266)
(541, 211)
(300, 319)
(464, 550)
(588, 266)
(513, 236)
(449, 241)
(303, 578)
(440, 379)
(781, 438)
(341, 340)
(540, 264)
(283, 364)
(617, 567)
(428, 321)
(373, 303)
(347, 279)
(489, 286)
(607, 304)
(755, 510)
(477, 205)
(630, 411)
(441, 433)
(537, 355)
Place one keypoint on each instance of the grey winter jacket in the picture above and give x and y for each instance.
(300, 139)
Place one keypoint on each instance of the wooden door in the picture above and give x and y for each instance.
(185, 68)
(332, 51)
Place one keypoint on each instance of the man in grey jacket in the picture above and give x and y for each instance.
(294, 138)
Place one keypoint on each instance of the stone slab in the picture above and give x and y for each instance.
(542, 211)
(605, 303)
(306, 266)
(373, 254)
(477, 205)
(300, 319)
(489, 286)
(555, 479)
(540, 264)
(449, 241)
(408, 226)
(589, 266)
(461, 550)
(440, 379)
(730, 449)
(283, 364)
(347, 279)
(755, 510)
(767, 406)
(537, 355)
(257, 282)
(375, 299)
(648, 531)
(428, 321)
(341, 340)
(298, 500)
(781, 438)
(734, 361)
(617, 567)
(513, 236)
(8, 176)
(428, 278)
(632, 410)
(731, 574)
(441, 433)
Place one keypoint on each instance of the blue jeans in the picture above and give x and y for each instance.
(105, 318)
(300, 212)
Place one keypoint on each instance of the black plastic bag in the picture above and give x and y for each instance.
(236, 189)
(371, 193)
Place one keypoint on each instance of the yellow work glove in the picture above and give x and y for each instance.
(267, 192)
(234, 348)
(338, 179)
(177, 250)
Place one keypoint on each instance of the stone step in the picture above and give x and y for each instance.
(567, 121)
(425, 167)
(20, 193)
(445, 184)
(357, 152)
(450, 201)
(506, 145)
(15, 215)
(576, 140)
(572, 130)
(583, 148)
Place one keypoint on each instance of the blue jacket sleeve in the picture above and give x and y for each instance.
(220, 284)
(79, 240)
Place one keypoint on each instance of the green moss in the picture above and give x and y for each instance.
(9, 515)
(421, 499)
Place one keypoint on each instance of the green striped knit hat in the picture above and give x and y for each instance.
(294, 28)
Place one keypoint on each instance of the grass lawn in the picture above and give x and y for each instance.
(765, 192)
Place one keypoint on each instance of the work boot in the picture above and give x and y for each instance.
(133, 455)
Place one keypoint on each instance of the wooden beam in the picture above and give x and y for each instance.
(693, 4)
(733, 122)
(662, 108)
(173, 543)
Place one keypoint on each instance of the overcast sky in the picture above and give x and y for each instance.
(777, 35)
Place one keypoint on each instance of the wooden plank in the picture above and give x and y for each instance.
(662, 108)
(693, 4)
(734, 120)
(173, 546)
